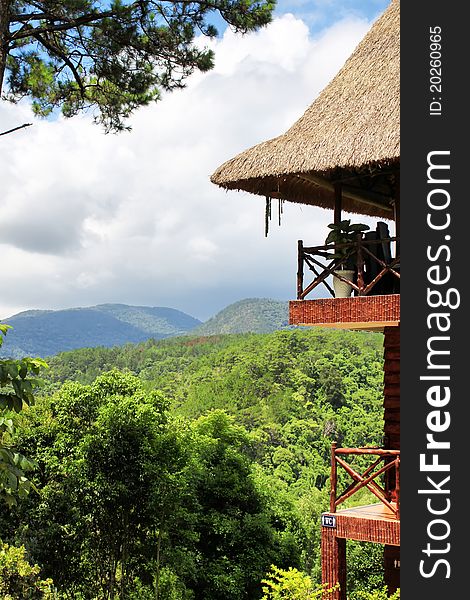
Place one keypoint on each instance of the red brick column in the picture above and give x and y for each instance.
(333, 560)
(392, 437)
(392, 387)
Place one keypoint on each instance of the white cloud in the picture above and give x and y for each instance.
(89, 218)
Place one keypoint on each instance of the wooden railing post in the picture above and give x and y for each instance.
(300, 269)
(396, 216)
(333, 478)
(360, 265)
(397, 484)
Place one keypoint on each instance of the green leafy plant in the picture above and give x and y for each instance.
(381, 594)
(293, 584)
(16, 390)
(344, 232)
(19, 579)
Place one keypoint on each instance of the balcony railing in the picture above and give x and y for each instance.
(388, 494)
(371, 266)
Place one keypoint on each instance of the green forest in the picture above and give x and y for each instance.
(192, 468)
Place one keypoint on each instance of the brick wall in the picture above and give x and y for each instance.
(357, 309)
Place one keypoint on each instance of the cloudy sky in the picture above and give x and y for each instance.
(89, 218)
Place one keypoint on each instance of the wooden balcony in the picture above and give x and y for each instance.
(375, 285)
(389, 494)
(378, 522)
(375, 270)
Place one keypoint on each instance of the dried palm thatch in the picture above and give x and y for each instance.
(350, 132)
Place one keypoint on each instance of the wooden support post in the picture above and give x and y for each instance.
(392, 568)
(333, 478)
(360, 264)
(333, 560)
(338, 206)
(300, 269)
(338, 202)
(397, 485)
(396, 217)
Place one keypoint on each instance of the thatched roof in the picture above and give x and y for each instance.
(350, 132)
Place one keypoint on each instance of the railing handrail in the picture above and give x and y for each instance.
(335, 245)
(359, 248)
(368, 450)
(367, 479)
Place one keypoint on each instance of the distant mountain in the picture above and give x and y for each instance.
(47, 332)
(257, 315)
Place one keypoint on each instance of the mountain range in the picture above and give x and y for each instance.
(47, 332)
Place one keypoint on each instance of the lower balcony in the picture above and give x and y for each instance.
(378, 471)
(377, 522)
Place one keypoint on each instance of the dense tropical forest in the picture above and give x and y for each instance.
(191, 468)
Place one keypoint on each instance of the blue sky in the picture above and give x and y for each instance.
(89, 218)
(318, 14)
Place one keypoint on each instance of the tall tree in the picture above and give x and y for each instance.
(111, 468)
(111, 56)
(239, 536)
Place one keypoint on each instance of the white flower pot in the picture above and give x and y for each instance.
(342, 289)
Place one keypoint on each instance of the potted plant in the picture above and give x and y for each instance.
(342, 233)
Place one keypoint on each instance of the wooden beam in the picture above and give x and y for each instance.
(355, 325)
(363, 196)
(300, 269)
(333, 478)
(365, 451)
(396, 216)
(338, 202)
(368, 174)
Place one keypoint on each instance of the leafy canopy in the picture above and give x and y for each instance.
(146, 490)
(16, 390)
(19, 579)
(112, 56)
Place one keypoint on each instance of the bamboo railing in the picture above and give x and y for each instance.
(367, 479)
(355, 252)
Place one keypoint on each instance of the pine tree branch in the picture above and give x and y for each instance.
(54, 50)
(15, 128)
(26, 31)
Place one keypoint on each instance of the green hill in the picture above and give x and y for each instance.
(47, 332)
(252, 315)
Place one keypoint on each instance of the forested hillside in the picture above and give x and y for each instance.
(251, 315)
(47, 332)
(185, 468)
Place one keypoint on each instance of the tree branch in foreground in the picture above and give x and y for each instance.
(16, 128)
